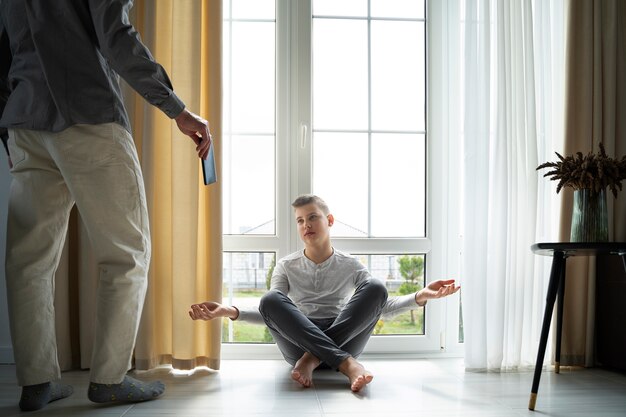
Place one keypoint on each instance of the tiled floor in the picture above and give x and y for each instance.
(421, 387)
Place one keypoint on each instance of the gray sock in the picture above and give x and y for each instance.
(130, 390)
(38, 396)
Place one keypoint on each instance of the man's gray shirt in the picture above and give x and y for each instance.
(60, 60)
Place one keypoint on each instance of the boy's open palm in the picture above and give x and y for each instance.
(210, 310)
(436, 289)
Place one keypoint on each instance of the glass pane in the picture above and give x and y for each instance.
(412, 9)
(249, 185)
(340, 178)
(246, 278)
(253, 9)
(402, 274)
(398, 185)
(340, 8)
(253, 77)
(340, 74)
(398, 78)
(226, 10)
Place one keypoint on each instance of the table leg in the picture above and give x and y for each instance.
(624, 260)
(553, 286)
(559, 319)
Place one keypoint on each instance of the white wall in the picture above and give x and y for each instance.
(6, 351)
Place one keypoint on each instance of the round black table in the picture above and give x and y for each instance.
(556, 287)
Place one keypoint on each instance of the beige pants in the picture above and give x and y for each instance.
(96, 167)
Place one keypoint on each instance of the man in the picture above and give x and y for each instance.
(323, 304)
(67, 135)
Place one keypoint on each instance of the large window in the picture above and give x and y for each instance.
(328, 97)
(368, 118)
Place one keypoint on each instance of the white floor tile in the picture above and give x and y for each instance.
(437, 387)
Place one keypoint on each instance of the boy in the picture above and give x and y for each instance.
(323, 304)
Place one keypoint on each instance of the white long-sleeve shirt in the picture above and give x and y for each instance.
(322, 290)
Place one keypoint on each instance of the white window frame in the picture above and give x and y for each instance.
(293, 177)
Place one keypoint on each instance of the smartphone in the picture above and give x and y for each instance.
(208, 167)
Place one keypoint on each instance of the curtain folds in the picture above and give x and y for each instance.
(595, 112)
(185, 215)
(511, 71)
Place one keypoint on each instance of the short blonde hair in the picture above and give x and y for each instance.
(305, 199)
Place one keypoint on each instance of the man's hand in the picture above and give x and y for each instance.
(436, 289)
(197, 129)
(210, 310)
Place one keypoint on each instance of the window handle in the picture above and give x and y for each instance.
(303, 132)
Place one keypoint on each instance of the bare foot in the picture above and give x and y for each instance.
(302, 373)
(356, 373)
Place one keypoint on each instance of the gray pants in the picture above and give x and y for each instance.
(331, 340)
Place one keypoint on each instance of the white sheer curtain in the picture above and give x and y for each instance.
(504, 88)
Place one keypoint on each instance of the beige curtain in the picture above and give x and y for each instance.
(185, 37)
(185, 215)
(595, 111)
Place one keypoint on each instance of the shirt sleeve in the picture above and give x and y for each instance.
(5, 90)
(279, 281)
(121, 45)
(398, 305)
(250, 315)
(361, 273)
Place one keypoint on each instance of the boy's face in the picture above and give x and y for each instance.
(313, 224)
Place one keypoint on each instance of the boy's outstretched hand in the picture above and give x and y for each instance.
(210, 310)
(436, 289)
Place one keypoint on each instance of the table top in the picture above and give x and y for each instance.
(580, 248)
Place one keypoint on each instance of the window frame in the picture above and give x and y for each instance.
(294, 160)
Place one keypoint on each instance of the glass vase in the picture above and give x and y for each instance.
(590, 221)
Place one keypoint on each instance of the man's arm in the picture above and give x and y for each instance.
(120, 44)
